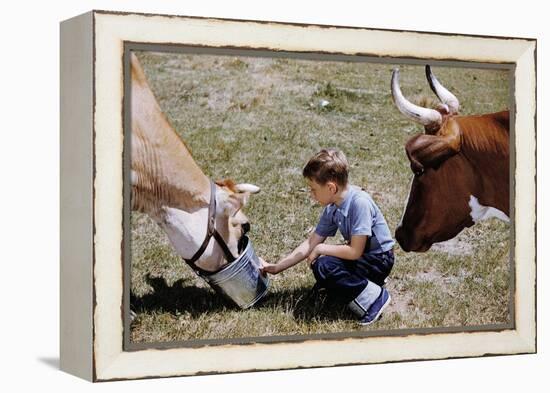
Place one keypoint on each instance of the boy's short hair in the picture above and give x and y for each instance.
(327, 165)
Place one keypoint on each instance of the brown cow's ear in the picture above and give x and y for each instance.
(416, 166)
(430, 151)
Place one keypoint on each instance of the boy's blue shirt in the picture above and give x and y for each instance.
(357, 215)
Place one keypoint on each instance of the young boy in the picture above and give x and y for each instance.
(356, 270)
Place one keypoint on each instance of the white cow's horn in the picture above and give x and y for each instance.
(424, 116)
(444, 95)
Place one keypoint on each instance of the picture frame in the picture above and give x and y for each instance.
(94, 316)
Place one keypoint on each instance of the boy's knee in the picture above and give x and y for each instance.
(324, 267)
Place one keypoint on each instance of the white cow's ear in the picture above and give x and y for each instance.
(242, 198)
(234, 203)
(245, 187)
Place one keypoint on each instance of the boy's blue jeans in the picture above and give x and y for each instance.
(347, 279)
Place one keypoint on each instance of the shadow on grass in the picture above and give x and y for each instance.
(178, 298)
(308, 304)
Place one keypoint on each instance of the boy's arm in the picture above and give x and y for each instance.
(350, 251)
(361, 221)
(299, 254)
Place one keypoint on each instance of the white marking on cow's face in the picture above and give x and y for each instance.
(480, 212)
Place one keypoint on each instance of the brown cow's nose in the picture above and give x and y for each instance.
(411, 240)
(402, 238)
(246, 227)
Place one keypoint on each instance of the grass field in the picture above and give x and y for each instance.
(258, 120)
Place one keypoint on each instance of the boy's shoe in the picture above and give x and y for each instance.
(375, 310)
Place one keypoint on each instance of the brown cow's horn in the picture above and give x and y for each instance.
(444, 95)
(424, 116)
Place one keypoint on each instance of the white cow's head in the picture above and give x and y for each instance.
(231, 222)
(187, 230)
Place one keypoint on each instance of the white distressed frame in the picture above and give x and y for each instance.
(111, 30)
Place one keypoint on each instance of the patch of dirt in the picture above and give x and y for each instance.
(402, 303)
(441, 280)
(459, 245)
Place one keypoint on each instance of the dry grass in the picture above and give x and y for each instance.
(258, 120)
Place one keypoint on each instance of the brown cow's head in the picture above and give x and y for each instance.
(438, 205)
(437, 208)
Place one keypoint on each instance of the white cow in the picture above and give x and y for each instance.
(168, 185)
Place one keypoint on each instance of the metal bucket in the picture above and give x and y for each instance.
(241, 280)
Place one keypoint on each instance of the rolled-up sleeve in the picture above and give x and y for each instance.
(326, 226)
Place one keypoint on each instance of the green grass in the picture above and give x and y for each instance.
(258, 120)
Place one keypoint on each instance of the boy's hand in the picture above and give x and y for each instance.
(268, 267)
(315, 253)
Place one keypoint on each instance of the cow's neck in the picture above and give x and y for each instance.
(163, 169)
(492, 186)
(487, 151)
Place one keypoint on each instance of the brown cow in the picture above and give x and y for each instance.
(168, 185)
(460, 166)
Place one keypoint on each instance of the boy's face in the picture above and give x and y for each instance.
(322, 193)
